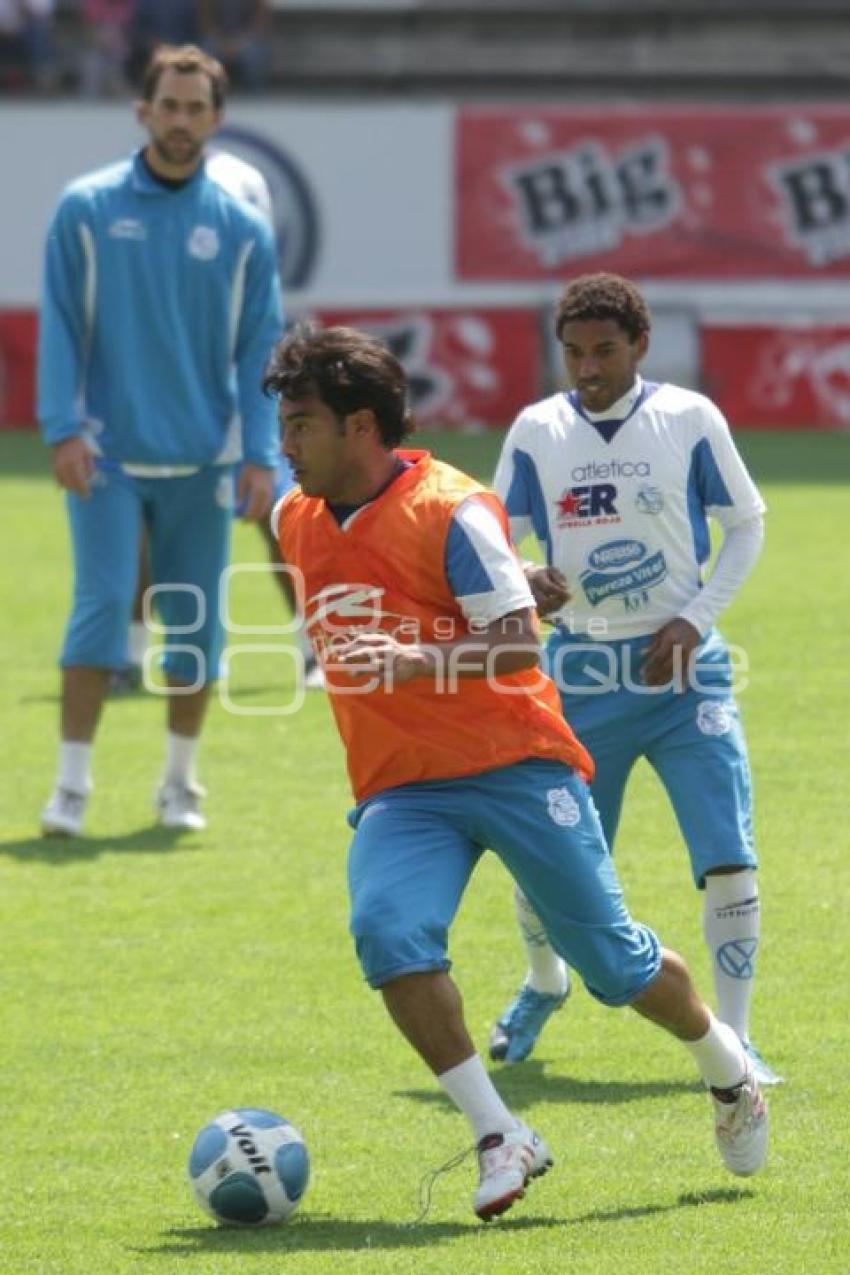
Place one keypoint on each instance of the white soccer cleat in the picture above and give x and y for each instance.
(314, 675)
(63, 815)
(741, 1126)
(179, 806)
(506, 1163)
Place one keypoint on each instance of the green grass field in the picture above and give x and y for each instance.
(149, 982)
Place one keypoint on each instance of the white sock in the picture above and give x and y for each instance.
(305, 646)
(137, 643)
(180, 754)
(731, 925)
(74, 766)
(547, 972)
(473, 1092)
(719, 1055)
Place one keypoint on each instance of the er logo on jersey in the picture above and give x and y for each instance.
(588, 505)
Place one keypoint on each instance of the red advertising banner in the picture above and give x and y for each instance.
(764, 377)
(654, 192)
(467, 368)
(18, 330)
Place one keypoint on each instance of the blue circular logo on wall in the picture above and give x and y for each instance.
(296, 218)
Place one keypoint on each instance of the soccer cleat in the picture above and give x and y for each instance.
(516, 1032)
(63, 815)
(314, 677)
(506, 1163)
(762, 1071)
(179, 806)
(741, 1125)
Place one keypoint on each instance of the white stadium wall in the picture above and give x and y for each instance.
(452, 229)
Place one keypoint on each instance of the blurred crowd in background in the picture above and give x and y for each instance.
(97, 48)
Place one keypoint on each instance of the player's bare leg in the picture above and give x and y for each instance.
(428, 1010)
(740, 1114)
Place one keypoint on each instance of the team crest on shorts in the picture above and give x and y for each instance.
(715, 717)
(203, 243)
(564, 810)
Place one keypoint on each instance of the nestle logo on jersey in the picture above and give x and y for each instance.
(617, 554)
(592, 503)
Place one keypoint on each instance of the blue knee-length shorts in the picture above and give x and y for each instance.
(415, 847)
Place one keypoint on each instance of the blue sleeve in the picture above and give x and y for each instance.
(62, 325)
(705, 487)
(260, 326)
(481, 567)
(465, 571)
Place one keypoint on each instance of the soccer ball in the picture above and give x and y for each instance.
(249, 1167)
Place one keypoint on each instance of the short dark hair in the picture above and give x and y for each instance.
(186, 59)
(603, 296)
(346, 369)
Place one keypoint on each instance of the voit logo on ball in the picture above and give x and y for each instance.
(294, 209)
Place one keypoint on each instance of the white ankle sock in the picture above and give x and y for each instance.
(719, 1055)
(473, 1092)
(137, 643)
(547, 972)
(731, 926)
(180, 754)
(74, 771)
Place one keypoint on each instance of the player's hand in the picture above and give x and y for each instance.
(379, 655)
(73, 465)
(548, 586)
(254, 491)
(668, 654)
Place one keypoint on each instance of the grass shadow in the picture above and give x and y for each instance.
(323, 1232)
(687, 1200)
(521, 1087)
(58, 852)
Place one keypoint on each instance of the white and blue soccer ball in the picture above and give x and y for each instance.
(249, 1167)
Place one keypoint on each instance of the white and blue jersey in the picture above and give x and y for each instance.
(621, 506)
(173, 377)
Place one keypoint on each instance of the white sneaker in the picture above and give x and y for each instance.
(179, 806)
(314, 676)
(506, 1163)
(741, 1127)
(63, 815)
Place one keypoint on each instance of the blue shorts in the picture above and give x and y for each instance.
(415, 847)
(693, 740)
(188, 521)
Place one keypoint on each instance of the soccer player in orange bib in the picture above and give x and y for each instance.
(421, 615)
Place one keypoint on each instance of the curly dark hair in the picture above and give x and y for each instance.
(346, 369)
(603, 296)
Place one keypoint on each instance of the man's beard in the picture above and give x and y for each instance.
(179, 154)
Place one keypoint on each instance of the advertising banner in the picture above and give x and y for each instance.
(17, 367)
(770, 377)
(656, 192)
(467, 368)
